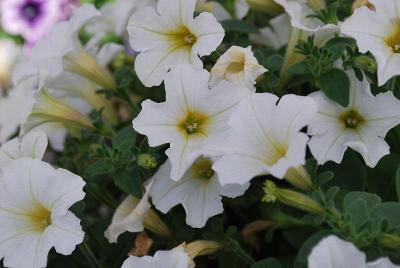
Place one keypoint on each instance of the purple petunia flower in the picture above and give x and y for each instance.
(32, 19)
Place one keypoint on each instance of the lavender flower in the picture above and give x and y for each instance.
(32, 19)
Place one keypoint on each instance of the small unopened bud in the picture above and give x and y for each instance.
(155, 224)
(360, 3)
(266, 6)
(365, 63)
(316, 5)
(147, 161)
(299, 178)
(143, 244)
(290, 198)
(202, 247)
(122, 59)
(389, 240)
(82, 63)
(204, 6)
(49, 109)
(250, 232)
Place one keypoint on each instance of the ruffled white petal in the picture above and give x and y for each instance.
(332, 252)
(170, 36)
(187, 92)
(331, 136)
(129, 216)
(33, 145)
(201, 198)
(265, 137)
(237, 65)
(34, 216)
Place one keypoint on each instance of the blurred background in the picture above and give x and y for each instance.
(23, 23)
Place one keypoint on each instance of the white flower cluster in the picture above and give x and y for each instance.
(221, 133)
(35, 203)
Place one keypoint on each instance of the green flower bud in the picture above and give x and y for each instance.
(49, 109)
(299, 178)
(290, 198)
(365, 63)
(266, 6)
(147, 161)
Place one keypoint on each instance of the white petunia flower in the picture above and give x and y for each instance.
(169, 35)
(237, 65)
(333, 252)
(191, 114)
(33, 145)
(9, 52)
(114, 18)
(16, 105)
(378, 32)
(301, 13)
(199, 191)
(34, 212)
(265, 138)
(276, 35)
(213, 7)
(241, 9)
(61, 50)
(134, 215)
(362, 125)
(174, 258)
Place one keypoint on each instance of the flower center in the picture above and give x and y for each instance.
(235, 67)
(352, 119)
(203, 168)
(182, 37)
(393, 40)
(190, 39)
(40, 217)
(193, 123)
(30, 11)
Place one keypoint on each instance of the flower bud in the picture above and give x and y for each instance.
(122, 59)
(81, 62)
(290, 198)
(316, 5)
(266, 6)
(299, 178)
(389, 241)
(146, 161)
(49, 109)
(360, 3)
(202, 247)
(365, 63)
(155, 224)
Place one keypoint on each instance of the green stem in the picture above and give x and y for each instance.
(291, 57)
(244, 256)
(102, 197)
(89, 255)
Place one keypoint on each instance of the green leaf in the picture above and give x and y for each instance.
(239, 26)
(398, 183)
(358, 213)
(125, 139)
(267, 263)
(129, 182)
(300, 68)
(273, 63)
(371, 200)
(336, 86)
(337, 46)
(389, 211)
(97, 168)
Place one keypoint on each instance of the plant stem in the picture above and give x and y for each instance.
(85, 249)
(244, 256)
(291, 57)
